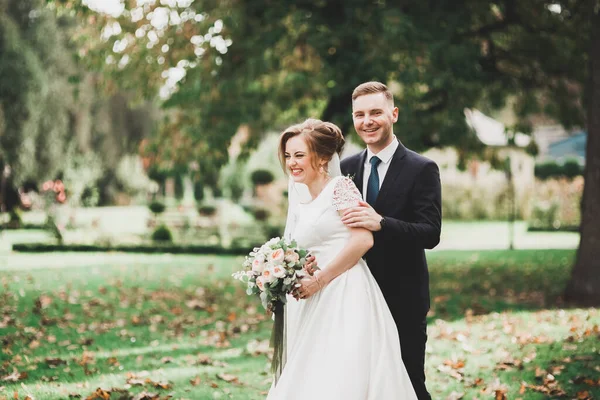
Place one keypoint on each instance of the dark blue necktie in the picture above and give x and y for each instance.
(373, 182)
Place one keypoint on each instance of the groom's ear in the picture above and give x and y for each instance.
(395, 114)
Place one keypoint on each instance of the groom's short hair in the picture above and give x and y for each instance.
(371, 88)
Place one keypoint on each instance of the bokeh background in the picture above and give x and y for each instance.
(138, 161)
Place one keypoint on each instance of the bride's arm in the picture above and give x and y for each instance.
(345, 195)
(361, 240)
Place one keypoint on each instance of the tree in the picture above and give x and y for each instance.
(584, 286)
(266, 64)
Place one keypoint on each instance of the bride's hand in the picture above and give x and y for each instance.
(309, 286)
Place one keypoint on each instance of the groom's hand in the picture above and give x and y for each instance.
(362, 216)
(311, 264)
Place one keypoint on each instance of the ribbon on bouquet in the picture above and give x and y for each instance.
(278, 340)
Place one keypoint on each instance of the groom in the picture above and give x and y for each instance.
(403, 210)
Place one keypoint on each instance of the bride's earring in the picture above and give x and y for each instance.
(322, 170)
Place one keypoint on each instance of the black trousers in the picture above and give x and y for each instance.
(413, 336)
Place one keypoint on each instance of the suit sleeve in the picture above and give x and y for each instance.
(426, 202)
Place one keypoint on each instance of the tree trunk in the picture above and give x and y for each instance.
(584, 286)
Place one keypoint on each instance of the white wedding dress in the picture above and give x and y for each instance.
(342, 343)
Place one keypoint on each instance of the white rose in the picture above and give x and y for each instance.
(258, 266)
(273, 241)
(260, 283)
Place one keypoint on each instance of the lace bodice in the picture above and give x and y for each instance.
(345, 194)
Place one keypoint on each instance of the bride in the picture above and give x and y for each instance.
(341, 340)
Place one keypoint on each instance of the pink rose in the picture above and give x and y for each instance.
(58, 186)
(260, 283)
(268, 275)
(278, 271)
(277, 255)
(291, 256)
(48, 185)
(61, 197)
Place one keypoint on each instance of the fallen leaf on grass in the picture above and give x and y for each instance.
(258, 347)
(54, 362)
(113, 361)
(228, 378)
(586, 381)
(196, 305)
(449, 371)
(136, 382)
(509, 365)
(15, 376)
(455, 364)
(160, 384)
(455, 396)
(206, 360)
(477, 382)
(99, 394)
(195, 381)
(146, 396)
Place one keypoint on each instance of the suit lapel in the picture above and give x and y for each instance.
(390, 177)
(360, 171)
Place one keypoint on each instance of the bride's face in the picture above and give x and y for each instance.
(299, 160)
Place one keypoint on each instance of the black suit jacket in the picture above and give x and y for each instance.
(410, 201)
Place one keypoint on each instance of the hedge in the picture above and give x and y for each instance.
(149, 248)
(551, 169)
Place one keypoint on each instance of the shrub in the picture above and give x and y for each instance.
(274, 230)
(162, 234)
(571, 169)
(550, 169)
(157, 207)
(547, 170)
(260, 214)
(261, 177)
(198, 191)
(208, 210)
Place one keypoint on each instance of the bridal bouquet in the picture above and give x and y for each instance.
(272, 271)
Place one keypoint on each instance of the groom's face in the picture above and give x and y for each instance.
(373, 116)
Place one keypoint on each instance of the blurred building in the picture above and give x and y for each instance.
(570, 148)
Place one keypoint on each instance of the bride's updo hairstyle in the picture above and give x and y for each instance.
(323, 139)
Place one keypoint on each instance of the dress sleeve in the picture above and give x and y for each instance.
(345, 194)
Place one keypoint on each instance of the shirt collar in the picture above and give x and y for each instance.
(386, 154)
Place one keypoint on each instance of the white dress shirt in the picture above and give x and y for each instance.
(385, 156)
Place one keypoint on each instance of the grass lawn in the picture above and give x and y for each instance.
(124, 326)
